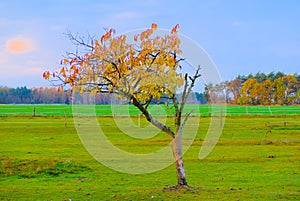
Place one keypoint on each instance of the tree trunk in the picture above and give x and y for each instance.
(177, 152)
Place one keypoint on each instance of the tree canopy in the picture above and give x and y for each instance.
(147, 69)
(116, 66)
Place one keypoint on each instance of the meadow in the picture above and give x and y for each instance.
(109, 110)
(256, 158)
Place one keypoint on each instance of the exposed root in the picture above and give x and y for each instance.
(178, 187)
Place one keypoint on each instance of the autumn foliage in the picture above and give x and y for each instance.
(260, 89)
(141, 71)
(114, 65)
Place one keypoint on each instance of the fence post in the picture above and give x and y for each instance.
(65, 118)
(34, 111)
(139, 120)
(221, 117)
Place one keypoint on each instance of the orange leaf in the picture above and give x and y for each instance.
(73, 67)
(154, 26)
(174, 30)
(107, 35)
(96, 43)
(66, 61)
(103, 38)
(63, 72)
(46, 75)
(112, 31)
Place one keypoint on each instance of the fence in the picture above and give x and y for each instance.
(130, 110)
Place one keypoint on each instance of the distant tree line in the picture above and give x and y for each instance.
(259, 89)
(51, 95)
(41, 95)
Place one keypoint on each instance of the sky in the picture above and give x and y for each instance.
(240, 36)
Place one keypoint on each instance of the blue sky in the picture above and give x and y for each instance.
(240, 36)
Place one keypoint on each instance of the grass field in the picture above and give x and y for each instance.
(257, 158)
(108, 110)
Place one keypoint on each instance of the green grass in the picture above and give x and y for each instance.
(108, 110)
(257, 158)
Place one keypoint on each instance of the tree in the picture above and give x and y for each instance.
(279, 91)
(248, 92)
(264, 91)
(297, 76)
(207, 92)
(233, 89)
(140, 72)
(290, 82)
(260, 77)
(271, 76)
(201, 98)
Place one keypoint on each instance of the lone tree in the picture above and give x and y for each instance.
(147, 69)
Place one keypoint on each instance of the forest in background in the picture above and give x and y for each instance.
(259, 89)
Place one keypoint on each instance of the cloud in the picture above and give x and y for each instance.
(19, 45)
(33, 71)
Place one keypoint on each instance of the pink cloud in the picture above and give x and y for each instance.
(33, 71)
(19, 45)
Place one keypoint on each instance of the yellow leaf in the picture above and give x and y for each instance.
(63, 72)
(66, 61)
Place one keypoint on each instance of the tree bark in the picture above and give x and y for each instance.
(176, 140)
(177, 152)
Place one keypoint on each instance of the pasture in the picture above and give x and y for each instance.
(42, 158)
(109, 110)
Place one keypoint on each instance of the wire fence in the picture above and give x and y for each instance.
(158, 110)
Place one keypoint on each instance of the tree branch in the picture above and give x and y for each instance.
(152, 120)
(148, 102)
(78, 40)
(186, 92)
(184, 121)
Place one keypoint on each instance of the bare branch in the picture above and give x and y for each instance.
(177, 60)
(148, 102)
(185, 119)
(78, 40)
(152, 120)
(154, 58)
(193, 80)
